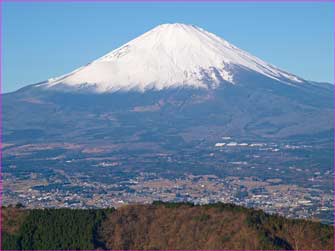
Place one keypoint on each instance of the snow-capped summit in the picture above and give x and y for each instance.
(170, 55)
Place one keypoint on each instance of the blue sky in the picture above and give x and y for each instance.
(44, 40)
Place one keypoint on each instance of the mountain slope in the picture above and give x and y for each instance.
(182, 72)
(257, 106)
(170, 55)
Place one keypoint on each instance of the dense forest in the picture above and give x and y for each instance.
(160, 226)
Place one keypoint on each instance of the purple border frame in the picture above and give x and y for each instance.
(129, 1)
(172, 1)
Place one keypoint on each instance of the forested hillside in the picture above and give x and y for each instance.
(160, 226)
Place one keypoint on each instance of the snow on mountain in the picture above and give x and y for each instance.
(170, 55)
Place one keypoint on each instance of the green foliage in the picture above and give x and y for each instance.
(227, 207)
(10, 242)
(202, 217)
(257, 219)
(172, 204)
(268, 227)
(19, 205)
(57, 229)
(61, 229)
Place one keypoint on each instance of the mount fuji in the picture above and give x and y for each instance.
(175, 81)
(170, 55)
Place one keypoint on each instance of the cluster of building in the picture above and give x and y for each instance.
(275, 177)
(270, 195)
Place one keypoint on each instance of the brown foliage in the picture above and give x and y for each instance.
(205, 227)
(12, 218)
(305, 235)
(181, 226)
(185, 227)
